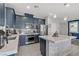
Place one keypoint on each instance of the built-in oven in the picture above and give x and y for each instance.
(30, 39)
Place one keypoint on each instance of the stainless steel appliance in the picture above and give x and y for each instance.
(43, 29)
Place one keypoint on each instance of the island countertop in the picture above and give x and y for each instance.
(10, 48)
(57, 39)
(55, 46)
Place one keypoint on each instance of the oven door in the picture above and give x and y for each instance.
(30, 39)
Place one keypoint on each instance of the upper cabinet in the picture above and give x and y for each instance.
(22, 21)
(29, 20)
(10, 17)
(39, 21)
(19, 22)
(2, 14)
(36, 21)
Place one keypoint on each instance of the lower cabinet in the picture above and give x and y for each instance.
(22, 40)
(43, 46)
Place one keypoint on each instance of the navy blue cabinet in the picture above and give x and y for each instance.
(22, 40)
(36, 21)
(37, 24)
(43, 46)
(10, 17)
(29, 20)
(19, 22)
(22, 20)
(2, 14)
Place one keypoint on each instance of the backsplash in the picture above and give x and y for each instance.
(26, 31)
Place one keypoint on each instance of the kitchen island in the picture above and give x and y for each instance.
(55, 46)
(11, 48)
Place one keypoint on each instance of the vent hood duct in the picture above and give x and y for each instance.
(28, 15)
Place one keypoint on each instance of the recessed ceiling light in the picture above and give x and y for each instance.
(66, 4)
(65, 18)
(54, 16)
(36, 6)
(28, 7)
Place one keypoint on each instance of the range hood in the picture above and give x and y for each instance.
(28, 15)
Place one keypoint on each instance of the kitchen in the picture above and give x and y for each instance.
(38, 29)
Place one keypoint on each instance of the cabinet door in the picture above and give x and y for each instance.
(22, 40)
(43, 46)
(35, 22)
(29, 20)
(19, 22)
(10, 17)
(2, 14)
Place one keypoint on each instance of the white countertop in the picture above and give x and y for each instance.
(29, 34)
(57, 39)
(10, 48)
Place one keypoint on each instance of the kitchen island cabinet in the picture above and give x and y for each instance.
(43, 47)
(55, 46)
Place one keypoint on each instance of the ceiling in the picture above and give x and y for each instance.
(44, 10)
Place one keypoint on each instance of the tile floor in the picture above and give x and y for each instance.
(34, 50)
(74, 50)
(30, 50)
